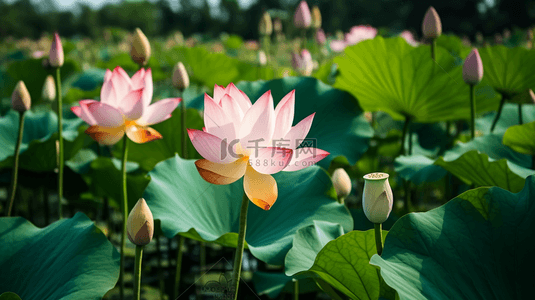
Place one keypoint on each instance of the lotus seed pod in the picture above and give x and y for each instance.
(302, 17)
(180, 77)
(316, 17)
(377, 197)
(431, 26)
(140, 48)
(473, 68)
(140, 224)
(266, 26)
(49, 89)
(20, 99)
(341, 183)
(55, 57)
(262, 58)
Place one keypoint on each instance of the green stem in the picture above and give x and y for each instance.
(502, 102)
(183, 124)
(296, 289)
(404, 134)
(433, 49)
(14, 173)
(520, 114)
(137, 272)
(327, 288)
(410, 140)
(241, 243)
(60, 139)
(160, 273)
(125, 215)
(472, 111)
(178, 265)
(379, 238)
(202, 256)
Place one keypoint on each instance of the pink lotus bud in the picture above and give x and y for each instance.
(55, 57)
(431, 26)
(140, 48)
(180, 77)
(140, 224)
(473, 68)
(302, 17)
(303, 63)
(20, 99)
(320, 37)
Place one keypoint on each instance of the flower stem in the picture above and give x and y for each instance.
(472, 111)
(404, 134)
(502, 102)
(183, 124)
(433, 49)
(160, 273)
(178, 265)
(520, 114)
(60, 139)
(241, 243)
(296, 289)
(16, 164)
(379, 238)
(137, 272)
(125, 215)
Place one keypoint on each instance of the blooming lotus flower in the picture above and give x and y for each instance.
(377, 197)
(124, 107)
(302, 16)
(473, 68)
(251, 141)
(409, 38)
(355, 35)
(303, 62)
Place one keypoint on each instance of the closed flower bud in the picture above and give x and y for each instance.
(180, 77)
(140, 224)
(302, 17)
(316, 17)
(55, 57)
(20, 99)
(431, 26)
(266, 26)
(377, 198)
(277, 25)
(49, 89)
(473, 68)
(262, 58)
(320, 37)
(140, 48)
(341, 183)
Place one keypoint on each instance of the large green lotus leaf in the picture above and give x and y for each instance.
(455, 46)
(272, 284)
(418, 169)
(392, 76)
(508, 118)
(69, 259)
(339, 126)
(89, 80)
(9, 296)
(38, 147)
(320, 250)
(479, 245)
(508, 70)
(184, 202)
(521, 138)
(151, 153)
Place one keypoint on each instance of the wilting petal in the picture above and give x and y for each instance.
(338, 46)
(148, 88)
(237, 95)
(159, 111)
(299, 132)
(270, 160)
(305, 157)
(221, 173)
(216, 120)
(219, 92)
(83, 112)
(107, 93)
(138, 80)
(211, 147)
(258, 122)
(105, 135)
(105, 115)
(131, 105)
(284, 115)
(121, 83)
(261, 189)
(142, 134)
(232, 110)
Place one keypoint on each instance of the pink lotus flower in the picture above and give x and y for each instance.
(320, 37)
(241, 139)
(303, 63)
(124, 107)
(355, 35)
(409, 38)
(302, 16)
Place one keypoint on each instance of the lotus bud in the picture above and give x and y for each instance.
(55, 57)
(377, 198)
(180, 77)
(506, 34)
(302, 17)
(262, 58)
(341, 183)
(473, 68)
(320, 37)
(49, 89)
(20, 99)
(140, 48)
(498, 39)
(277, 25)
(265, 26)
(316, 17)
(140, 224)
(431, 26)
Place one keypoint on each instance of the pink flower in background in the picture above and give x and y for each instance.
(354, 36)
(251, 141)
(409, 38)
(125, 108)
(303, 62)
(320, 37)
(302, 16)
(38, 54)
